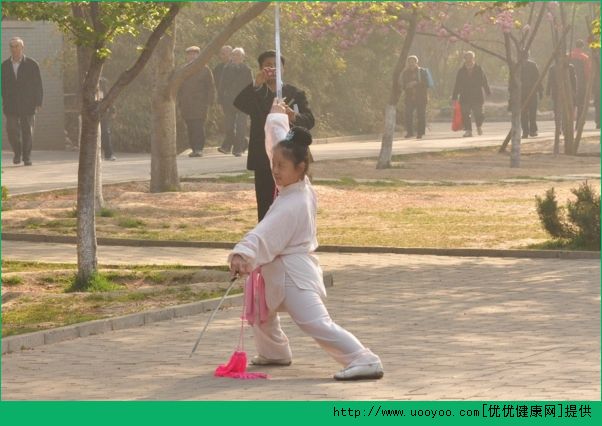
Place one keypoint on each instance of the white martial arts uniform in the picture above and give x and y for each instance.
(282, 244)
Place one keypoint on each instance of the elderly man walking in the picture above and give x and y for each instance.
(22, 95)
(236, 76)
(471, 81)
(195, 96)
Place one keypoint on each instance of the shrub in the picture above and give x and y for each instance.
(580, 228)
(584, 213)
(552, 216)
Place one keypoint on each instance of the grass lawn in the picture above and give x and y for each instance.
(38, 296)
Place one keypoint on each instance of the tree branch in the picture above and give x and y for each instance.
(490, 52)
(94, 13)
(189, 69)
(422, 33)
(128, 75)
(405, 50)
(508, 51)
(531, 14)
(515, 41)
(542, 12)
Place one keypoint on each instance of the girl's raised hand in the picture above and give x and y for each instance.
(278, 106)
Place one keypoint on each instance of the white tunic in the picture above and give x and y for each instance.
(283, 242)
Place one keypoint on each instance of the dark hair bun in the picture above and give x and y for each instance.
(301, 136)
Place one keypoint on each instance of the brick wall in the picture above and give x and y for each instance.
(44, 43)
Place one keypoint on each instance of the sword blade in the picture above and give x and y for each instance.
(232, 281)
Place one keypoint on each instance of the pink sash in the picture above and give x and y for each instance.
(256, 308)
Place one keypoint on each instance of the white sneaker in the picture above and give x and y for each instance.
(361, 372)
(467, 134)
(261, 360)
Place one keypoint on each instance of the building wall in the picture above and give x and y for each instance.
(44, 43)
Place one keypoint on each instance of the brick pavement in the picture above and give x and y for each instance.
(445, 328)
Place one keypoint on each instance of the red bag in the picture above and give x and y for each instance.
(457, 123)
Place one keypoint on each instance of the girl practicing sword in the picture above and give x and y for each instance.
(282, 244)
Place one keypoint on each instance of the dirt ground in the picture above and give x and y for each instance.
(468, 199)
(483, 164)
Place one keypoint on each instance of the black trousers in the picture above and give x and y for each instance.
(420, 118)
(196, 134)
(20, 134)
(264, 190)
(528, 117)
(235, 128)
(105, 138)
(472, 110)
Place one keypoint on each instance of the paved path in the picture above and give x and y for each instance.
(58, 169)
(445, 328)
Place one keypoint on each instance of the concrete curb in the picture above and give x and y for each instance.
(534, 254)
(84, 329)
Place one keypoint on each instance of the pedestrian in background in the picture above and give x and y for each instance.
(414, 81)
(470, 88)
(235, 76)
(195, 96)
(22, 94)
(529, 77)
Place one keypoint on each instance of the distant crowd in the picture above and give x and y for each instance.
(22, 94)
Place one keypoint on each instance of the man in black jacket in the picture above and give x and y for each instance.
(471, 81)
(22, 95)
(256, 100)
(529, 77)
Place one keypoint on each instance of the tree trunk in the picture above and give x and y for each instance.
(164, 167)
(515, 108)
(566, 102)
(100, 202)
(86, 226)
(584, 109)
(386, 148)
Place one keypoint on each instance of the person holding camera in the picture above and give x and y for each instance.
(256, 101)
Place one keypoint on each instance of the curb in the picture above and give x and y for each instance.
(90, 328)
(461, 252)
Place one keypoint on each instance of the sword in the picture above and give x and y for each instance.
(232, 281)
(278, 55)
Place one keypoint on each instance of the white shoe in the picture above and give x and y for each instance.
(361, 372)
(467, 134)
(261, 360)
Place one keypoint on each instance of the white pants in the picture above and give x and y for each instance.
(308, 311)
